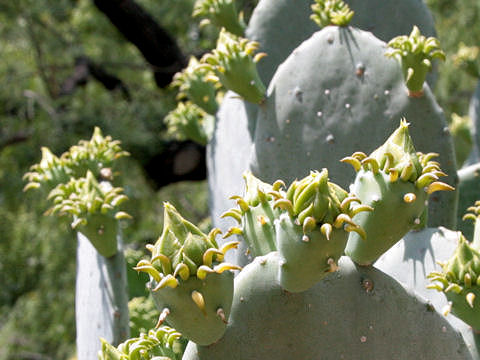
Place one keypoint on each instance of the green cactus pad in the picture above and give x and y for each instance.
(416, 53)
(189, 280)
(192, 85)
(395, 181)
(94, 208)
(163, 343)
(312, 232)
(222, 13)
(234, 64)
(461, 130)
(188, 121)
(331, 12)
(256, 215)
(354, 313)
(460, 281)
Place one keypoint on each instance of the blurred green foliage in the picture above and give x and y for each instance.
(39, 41)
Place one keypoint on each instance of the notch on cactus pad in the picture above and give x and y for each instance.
(331, 12)
(395, 181)
(415, 54)
(190, 282)
(234, 64)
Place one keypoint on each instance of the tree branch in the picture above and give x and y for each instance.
(157, 47)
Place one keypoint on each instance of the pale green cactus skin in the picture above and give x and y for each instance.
(461, 130)
(269, 323)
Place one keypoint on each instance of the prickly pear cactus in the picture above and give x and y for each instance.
(222, 13)
(269, 25)
(312, 231)
(311, 117)
(162, 343)
(190, 283)
(395, 181)
(339, 318)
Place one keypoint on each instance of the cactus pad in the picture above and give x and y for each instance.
(395, 181)
(190, 283)
(234, 64)
(416, 53)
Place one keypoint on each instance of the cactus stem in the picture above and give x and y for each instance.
(161, 319)
(470, 298)
(198, 299)
(221, 315)
(409, 198)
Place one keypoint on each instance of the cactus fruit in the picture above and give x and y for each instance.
(163, 343)
(395, 181)
(191, 83)
(222, 13)
(190, 283)
(349, 314)
(331, 12)
(256, 215)
(313, 229)
(234, 63)
(415, 53)
(189, 121)
(459, 281)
